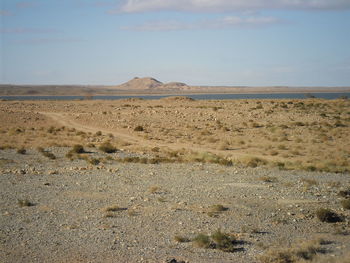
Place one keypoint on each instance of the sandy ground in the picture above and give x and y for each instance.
(257, 171)
(265, 209)
(293, 134)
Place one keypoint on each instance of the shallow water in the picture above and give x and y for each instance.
(328, 96)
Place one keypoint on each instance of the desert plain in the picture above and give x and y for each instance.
(175, 180)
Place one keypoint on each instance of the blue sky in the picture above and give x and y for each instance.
(199, 42)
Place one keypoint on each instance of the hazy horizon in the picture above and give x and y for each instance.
(201, 43)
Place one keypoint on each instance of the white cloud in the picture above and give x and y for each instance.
(224, 22)
(134, 6)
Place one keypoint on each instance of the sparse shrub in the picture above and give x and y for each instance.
(202, 241)
(78, 149)
(282, 147)
(254, 162)
(268, 179)
(345, 203)
(40, 149)
(328, 216)
(24, 203)
(139, 128)
(107, 147)
(113, 208)
(217, 208)
(302, 252)
(155, 149)
(273, 153)
(181, 239)
(154, 189)
(345, 193)
(94, 161)
(49, 155)
(51, 129)
(224, 241)
(21, 150)
(98, 133)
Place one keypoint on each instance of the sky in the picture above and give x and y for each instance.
(199, 42)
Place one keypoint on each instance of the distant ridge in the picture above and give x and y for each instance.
(149, 83)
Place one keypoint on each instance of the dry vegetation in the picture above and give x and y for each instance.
(307, 134)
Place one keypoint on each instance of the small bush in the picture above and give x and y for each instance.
(94, 161)
(181, 239)
(139, 128)
(24, 203)
(345, 204)
(40, 149)
(114, 208)
(345, 193)
(78, 149)
(328, 216)
(202, 241)
(98, 133)
(21, 150)
(107, 147)
(224, 241)
(268, 179)
(49, 155)
(217, 208)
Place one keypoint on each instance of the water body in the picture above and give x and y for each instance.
(327, 96)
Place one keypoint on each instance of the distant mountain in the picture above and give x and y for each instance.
(151, 84)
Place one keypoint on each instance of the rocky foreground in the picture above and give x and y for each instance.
(61, 210)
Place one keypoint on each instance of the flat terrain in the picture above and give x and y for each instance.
(250, 175)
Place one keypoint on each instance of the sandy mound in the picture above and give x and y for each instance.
(140, 84)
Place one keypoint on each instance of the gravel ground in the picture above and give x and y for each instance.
(68, 221)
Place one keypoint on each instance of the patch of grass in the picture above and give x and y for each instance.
(107, 147)
(24, 203)
(217, 240)
(304, 251)
(345, 203)
(254, 162)
(328, 216)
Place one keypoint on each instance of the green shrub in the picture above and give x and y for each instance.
(223, 241)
